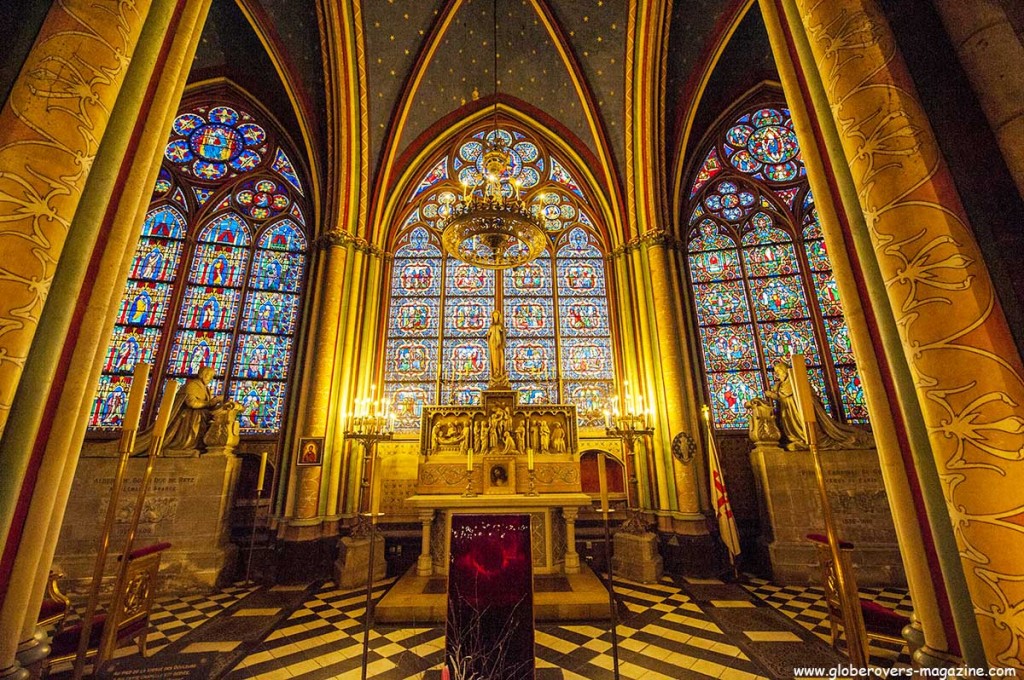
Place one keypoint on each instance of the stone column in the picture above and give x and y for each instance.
(425, 563)
(100, 240)
(993, 58)
(572, 558)
(676, 372)
(874, 338)
(316, 398)
(50, 130)
(968, 376)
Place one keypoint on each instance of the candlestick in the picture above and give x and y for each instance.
(603, 481)
(133, 414)
(802, 388)
(163, 416)
(375, 491)
(263, 471)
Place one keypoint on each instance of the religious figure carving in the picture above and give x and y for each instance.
(509, 443)
(763, 428)
(545, 436)
(831, 433)
(521, 437)
(557, 439)
(192, 413)
(496, 349)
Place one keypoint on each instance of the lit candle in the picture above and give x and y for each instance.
(802, 388)
(603, 481)
(529, 459)
(607, 418)
(163, 416)
(263, 471)
(138, 392)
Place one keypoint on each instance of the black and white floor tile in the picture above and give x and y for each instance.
(806, 606)
(677, 629)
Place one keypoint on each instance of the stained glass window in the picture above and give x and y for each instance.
(555, 307)
(218, 271)
(761, 277)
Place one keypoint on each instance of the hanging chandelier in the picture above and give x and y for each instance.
(491, 225)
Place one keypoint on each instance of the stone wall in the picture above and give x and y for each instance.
(188, 505)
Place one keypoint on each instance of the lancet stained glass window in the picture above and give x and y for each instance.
(218, 271)
(556, 310)
(762, 281)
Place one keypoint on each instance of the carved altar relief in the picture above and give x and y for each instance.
(502, 433)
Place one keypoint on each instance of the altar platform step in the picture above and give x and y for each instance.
(421, 600)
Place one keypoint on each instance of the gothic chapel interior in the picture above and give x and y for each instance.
(269, 242)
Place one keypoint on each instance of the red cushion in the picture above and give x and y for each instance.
(66, 641)
(879, 619)
(148, 550)
(822, 538)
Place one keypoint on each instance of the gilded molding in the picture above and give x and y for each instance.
(967, 370)
(50, 130)
(335, 238)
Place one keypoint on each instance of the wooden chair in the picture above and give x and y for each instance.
(876, 622)
(126, 619)
(56, 605)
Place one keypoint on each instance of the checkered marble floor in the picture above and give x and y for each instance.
(668, 630)
(173, 617)
(662, 634)
(806, 606)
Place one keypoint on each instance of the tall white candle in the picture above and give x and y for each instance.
(469, 460)
(529, 458)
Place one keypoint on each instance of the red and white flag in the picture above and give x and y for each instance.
(720, 501)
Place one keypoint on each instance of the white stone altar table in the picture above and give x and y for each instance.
(553, 526)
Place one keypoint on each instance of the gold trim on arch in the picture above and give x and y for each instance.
(396, 198)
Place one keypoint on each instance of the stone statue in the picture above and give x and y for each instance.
(557, 439)
(192, 412)
(763, 428)
(496, 349)
(831, 433)
(509, 443)
(545, 436)
(521, 437)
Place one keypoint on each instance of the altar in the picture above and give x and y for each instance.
(497, 457)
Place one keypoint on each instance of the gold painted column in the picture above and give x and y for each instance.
(101, 241)
(924, 577)
(316, 398)
(50, 130)
(993, 58)
(676, 374)
(968, 376)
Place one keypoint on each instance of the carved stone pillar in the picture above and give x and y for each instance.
(968, 379)
(425, 563)
(572, 558)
